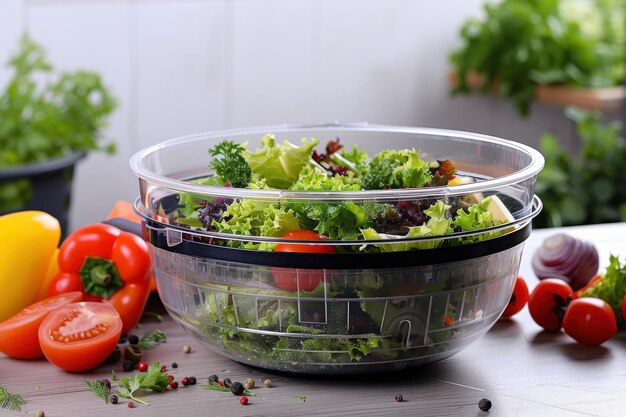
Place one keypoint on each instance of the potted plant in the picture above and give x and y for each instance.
(48, 122)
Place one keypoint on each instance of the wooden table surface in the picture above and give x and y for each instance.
(522, 370)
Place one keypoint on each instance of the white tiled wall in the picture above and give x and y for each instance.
(183, 66)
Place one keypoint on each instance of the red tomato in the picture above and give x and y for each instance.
(129, 301)
(131, 256)
(518, 300)
(19, 334)
(79, 336)
(294, 279)
(95, 240)
(548, 301)
(590, 321)
(624, 307)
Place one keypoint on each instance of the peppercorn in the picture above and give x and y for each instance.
(213, 379)
(133, 339)
(185, 381)
(399, 398)
(170, 377)
(268, 383)
(131, 404)
(187, 349)
(192, 380)
(227, 382)
(163, 368)
(106, 383)
(237, 388)
(174, 365)
(123, 338)
(249, 383)
(243, 400)
(114, 399)
(174, 384)
(40, 413)
(142, 366)
(484, 404)
(128, 365)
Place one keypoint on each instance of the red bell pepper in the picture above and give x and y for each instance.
(106, 265)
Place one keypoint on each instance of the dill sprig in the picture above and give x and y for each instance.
(11, 401)
(152, 339)
(100, 387)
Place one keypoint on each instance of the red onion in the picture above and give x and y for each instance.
(565, 257)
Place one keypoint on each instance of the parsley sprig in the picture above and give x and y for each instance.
(11, 401)
(152, 339)
(153, 379)
(230, 164)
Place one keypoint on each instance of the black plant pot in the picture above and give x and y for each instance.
(45, 186)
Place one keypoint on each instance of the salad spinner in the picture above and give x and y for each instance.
(374, 305)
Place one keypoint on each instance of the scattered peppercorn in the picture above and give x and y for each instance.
(249, 383)
(237, 388)
(243, 400)
(114, 399)
(106, 383)
(128, 365)
(399, 398)
(174, 365)
(40, 413)
(170, 377)
(227, 382)
(192, 380)
(174, 384)
(123, 338)
(131, 404)
(484, 404)
(163, 368)
(185, 381)
(213, 379)
(186, 349)
(220, 383)
(133, 339)
(142, 366)
(268, 383)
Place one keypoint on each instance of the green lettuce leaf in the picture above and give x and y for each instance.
(396, 169)
(438, 224)
(476, 217)
(612, 287)
(280, 164)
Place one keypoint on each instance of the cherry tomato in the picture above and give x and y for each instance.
(80, 336)
(95, 240)
(130, 301)
(304, 247)
(19, 334)
(294, 279)
(518, 300)
(590, 321)
(548, 301)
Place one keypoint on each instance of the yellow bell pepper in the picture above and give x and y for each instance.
(28, 242)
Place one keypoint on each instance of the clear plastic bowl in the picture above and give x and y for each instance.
(352, 311)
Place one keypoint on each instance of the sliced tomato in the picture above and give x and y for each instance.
(19, 334)
(80, 336)
(300, 279)
(518, 300)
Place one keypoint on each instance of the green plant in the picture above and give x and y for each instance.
(524, 43)
(43, 116)
(589, 187)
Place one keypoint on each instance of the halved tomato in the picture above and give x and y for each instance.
(80, 336)
(19, 334)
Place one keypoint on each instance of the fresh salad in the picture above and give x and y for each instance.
(288, 166)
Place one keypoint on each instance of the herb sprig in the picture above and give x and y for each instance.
(230, 164)
(153, 379)
(100, 387)
(151, 340)
(11, 401)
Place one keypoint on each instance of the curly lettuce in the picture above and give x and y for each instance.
(280, 164)
(396, 169)
(438, 224)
